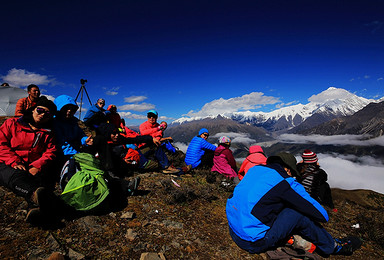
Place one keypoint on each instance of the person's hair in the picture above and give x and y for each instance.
(5, 84)
(32, 86)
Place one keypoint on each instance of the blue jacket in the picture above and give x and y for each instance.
(93, 110)
(69, 136)
(196, 150)
(262, 194)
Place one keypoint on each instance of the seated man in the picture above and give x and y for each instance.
(200, 152)
(24, 103)
(96, 114)
(269, 205)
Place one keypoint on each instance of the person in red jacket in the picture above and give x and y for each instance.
(27, 150)
(256, 157)
(154, 129)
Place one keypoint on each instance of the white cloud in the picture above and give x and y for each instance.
(129, 115)
(380, 79)
(112, 91)
(23, 78)
(246, 102)
(182, 146)
(368, 173)
(360, 140)
(137, 107)
(135, 99)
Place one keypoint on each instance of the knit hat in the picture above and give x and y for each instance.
(45, 102)
(203, 130)
(284, 159)
(309, 156)
(224, 139)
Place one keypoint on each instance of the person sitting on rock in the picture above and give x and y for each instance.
(314, 179)
(70, 138)
(96, 114)
(23, 104)
(200, 151)
(256, 157)
(223, 160)
(154, 129)
(269, 205)
(27, 154)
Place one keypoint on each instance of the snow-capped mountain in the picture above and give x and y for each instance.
(331, 103)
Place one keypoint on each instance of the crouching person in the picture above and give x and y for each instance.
(269, 205)
(27, 151)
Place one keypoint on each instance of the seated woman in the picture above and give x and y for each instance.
(314, 179)
(223, 160)
(200, 151)
(256, 157)
(27, 152)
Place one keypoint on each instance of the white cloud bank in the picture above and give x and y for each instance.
(360, 140)
(249, 101)
(366, 173)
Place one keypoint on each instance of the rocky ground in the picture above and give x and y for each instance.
(186, 222)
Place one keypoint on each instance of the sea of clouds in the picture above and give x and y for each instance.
(348, 172)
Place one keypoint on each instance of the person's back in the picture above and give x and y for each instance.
(223, 160)
(314, 179)
(256, 157)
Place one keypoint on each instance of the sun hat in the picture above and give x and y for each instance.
(284, 159)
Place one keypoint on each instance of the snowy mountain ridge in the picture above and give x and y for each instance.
(333, 101)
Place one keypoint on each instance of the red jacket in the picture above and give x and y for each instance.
(19, 144)
(224, 162)
(256, 157)
(147, 128)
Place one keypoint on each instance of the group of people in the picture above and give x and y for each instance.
(45, 134)
(274, 196)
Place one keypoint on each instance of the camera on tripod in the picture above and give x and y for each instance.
(83, 81)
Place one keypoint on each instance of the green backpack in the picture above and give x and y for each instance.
(87, 188)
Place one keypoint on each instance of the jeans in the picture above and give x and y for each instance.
(287, 223)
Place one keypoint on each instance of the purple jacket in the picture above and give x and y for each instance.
(224, 162)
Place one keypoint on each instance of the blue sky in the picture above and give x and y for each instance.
(177, 56)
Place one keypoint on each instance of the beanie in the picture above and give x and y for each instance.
(203, 130)
(224, 139)
(309, 156)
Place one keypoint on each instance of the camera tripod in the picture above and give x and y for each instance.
(81, 90)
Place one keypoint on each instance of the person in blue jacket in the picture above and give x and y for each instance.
(96, 114)
(69, 136)
(200, 151)
(269, 205)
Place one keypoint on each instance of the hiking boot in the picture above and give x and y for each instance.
(346, 246)
(133, 185)
(38, 196)
(34, 216)
(186, 168)
(170, 170)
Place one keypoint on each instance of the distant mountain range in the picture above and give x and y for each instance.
(338, 102)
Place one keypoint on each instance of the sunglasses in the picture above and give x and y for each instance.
(40, 111)
(207, 135)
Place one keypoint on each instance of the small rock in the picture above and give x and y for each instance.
(152, 256)
(130, 235)
(72, 254)
(128, 215)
